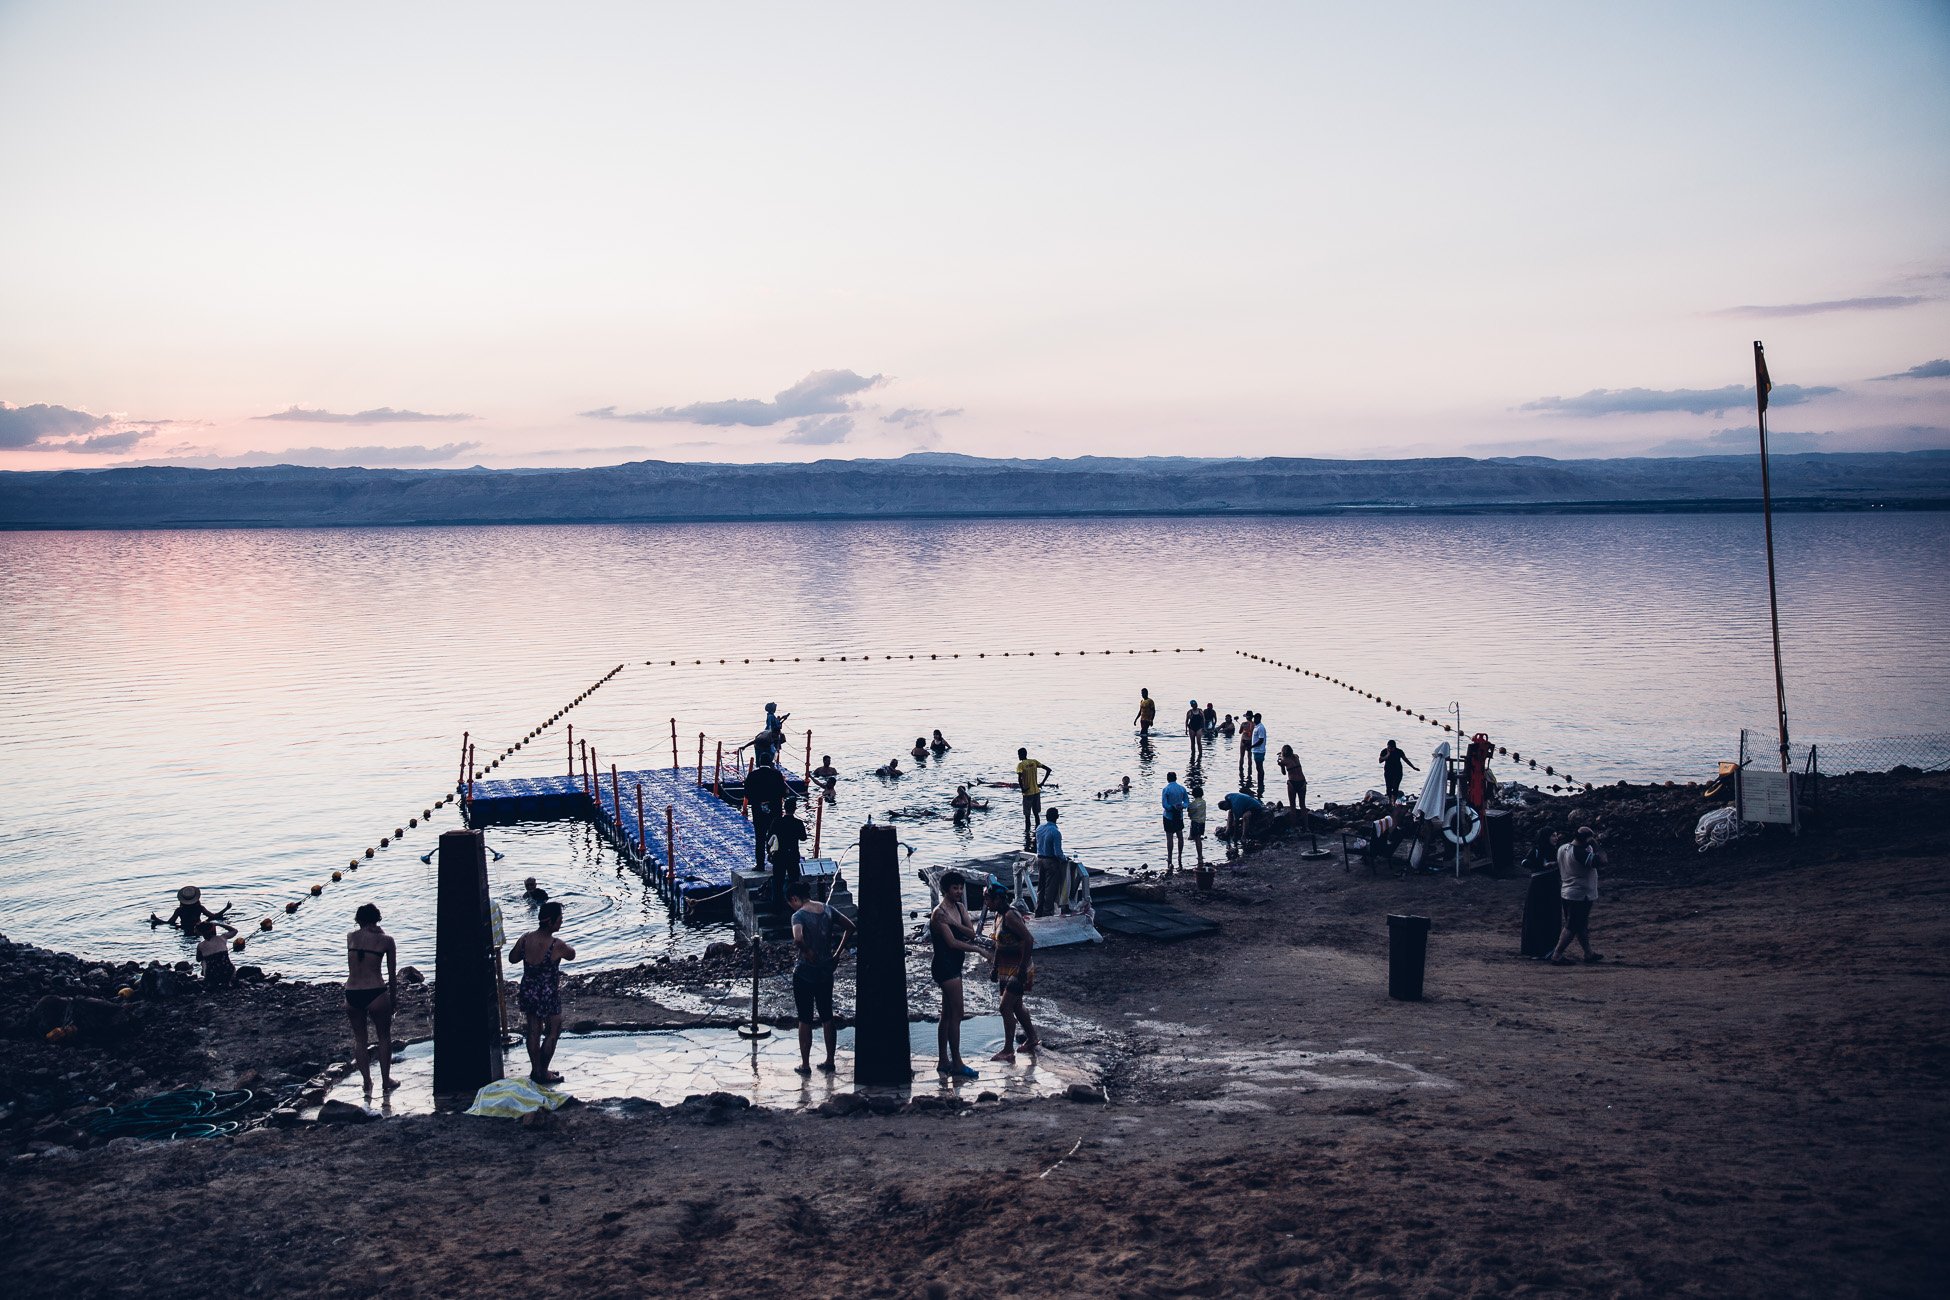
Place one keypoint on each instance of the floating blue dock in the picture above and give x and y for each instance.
(714, 839)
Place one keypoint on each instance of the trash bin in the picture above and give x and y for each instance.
(1541, 915)
(1408, 951)
(1500, 830)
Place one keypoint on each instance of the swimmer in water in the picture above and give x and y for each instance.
(892, 771)
(920, 750)
(827, 775)
(939, 744)
(189, 911)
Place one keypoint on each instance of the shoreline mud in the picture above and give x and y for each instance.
(1749, 1095)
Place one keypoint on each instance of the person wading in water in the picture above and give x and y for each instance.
(1392, 759)
(368, 995)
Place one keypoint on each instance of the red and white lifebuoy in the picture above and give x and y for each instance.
(1462, 815)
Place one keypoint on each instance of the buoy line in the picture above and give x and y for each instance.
(1570, 783)
(916, 655)
(267, 922)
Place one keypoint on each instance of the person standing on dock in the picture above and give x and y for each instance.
(1195, 734)
(1176, 800)
(788, 833)
(1392, 759)
(765, 791)
(1030, 775)
(1147, 713)
(813, 924)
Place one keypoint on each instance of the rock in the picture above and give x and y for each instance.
(1085, 1092)
(728, 1101)
(585, 1026)
(720, 949)
(843, 1103)
(986, 1096)
(343, 1112)
(249, 1079)
(884, 1105)
(250, 974)
(411, 975)
(928, 1102)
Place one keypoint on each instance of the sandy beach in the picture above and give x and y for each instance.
(1748, 1096)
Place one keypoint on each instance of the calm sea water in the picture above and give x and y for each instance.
(248, 710)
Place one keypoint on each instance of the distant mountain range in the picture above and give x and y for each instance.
(945, 485)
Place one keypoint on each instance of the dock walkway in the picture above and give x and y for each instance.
(714, 839)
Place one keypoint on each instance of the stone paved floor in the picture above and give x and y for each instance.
(669, 1065)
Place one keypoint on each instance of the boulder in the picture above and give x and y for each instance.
(343, 1112)
(843, 1103)
(1085, 1092)
(412, 975)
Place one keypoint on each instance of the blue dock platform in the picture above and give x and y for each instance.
(714, 840)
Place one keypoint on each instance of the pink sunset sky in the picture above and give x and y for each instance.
(449, 235)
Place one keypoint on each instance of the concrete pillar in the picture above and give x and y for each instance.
(466, 1025)
(880, 1055)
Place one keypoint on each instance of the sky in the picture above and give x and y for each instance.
(473, 234)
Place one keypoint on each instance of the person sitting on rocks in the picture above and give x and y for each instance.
(213, 951)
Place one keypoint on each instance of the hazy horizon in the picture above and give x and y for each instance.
(448, 236)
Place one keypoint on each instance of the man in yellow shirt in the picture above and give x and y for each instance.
(1147, 712)
(1030, 775)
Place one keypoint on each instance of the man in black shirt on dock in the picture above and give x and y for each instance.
(789, 833)
(765, 791)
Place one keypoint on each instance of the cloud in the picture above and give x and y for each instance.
(909, 417)
(1886, 303)
(327, 457)
(23, 426)
(820, 430)
(378, 415)
(1697, 401)
(1744, 440)
(1938, 369)
(823, 392)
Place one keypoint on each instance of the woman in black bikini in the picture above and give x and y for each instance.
(367, 995)
(952, 932)
(540, 996)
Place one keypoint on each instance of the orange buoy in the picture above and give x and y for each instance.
(265, 924)
(368, 852)
(316, 890)
(289, 908)
(337, 876)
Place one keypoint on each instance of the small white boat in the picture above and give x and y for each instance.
(1016, 870)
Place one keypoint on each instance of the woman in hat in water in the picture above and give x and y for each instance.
(190, 911)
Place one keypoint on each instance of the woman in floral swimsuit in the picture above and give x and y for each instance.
(540, 996)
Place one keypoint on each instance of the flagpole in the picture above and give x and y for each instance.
(1762, 385)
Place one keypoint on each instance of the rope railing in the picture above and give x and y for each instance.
(1568, 782)
(462, 791)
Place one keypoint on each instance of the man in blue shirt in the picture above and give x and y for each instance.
(1176, 799)
(1239, 806)
(1051, 865)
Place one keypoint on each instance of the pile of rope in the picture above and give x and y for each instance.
(176, 1116)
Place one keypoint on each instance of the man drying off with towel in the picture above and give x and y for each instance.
(813, 924)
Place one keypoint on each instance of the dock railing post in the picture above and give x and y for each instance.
(673, 746)
(670, 849)
(596, 781)
(717, 775)
(461, 780)
(642, 827)
(616, 801)
(808, 776)
(572, 751)
(700, 760)
(819, 820)
(585, 765)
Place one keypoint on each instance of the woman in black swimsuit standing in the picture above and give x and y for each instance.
(369, 995)
(952, 932)
(540, 996)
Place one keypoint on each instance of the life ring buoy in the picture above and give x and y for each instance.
(1460, 813)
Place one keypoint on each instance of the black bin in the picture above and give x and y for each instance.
(1500, 829)
(1408, 953)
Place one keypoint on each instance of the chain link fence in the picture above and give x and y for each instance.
(1928, 752)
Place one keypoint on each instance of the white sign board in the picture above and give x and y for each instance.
(1766, 797)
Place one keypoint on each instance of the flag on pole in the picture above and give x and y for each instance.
(1762, 384)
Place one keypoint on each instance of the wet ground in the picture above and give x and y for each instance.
(667, 1065)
